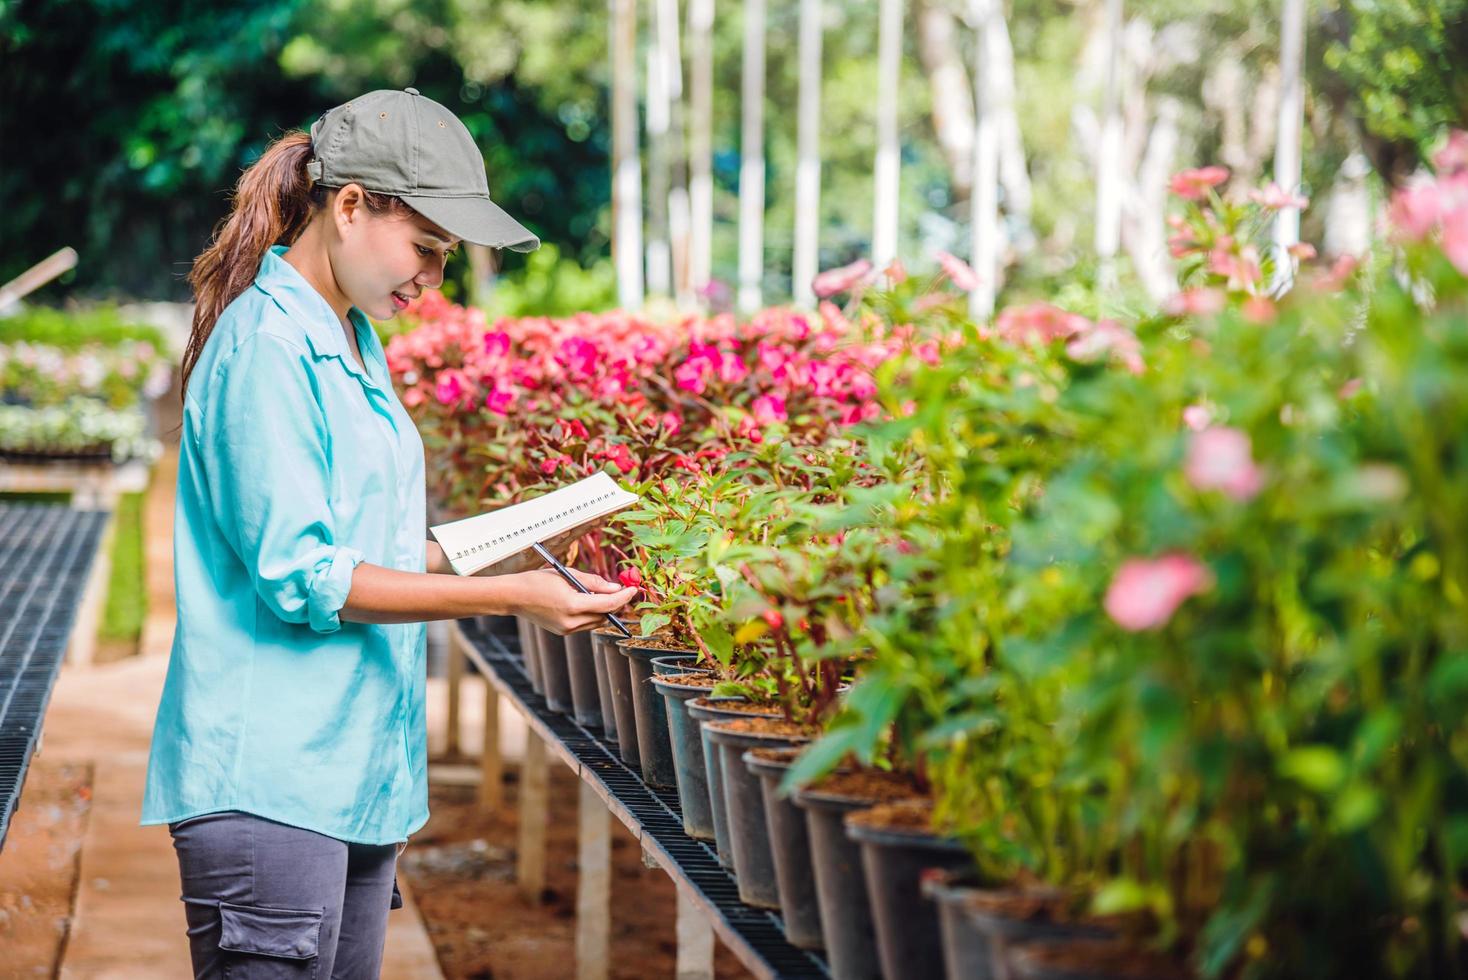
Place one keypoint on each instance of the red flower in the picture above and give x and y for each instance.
(773, 619)
(631, 576)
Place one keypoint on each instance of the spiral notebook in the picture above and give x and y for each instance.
(477, 543)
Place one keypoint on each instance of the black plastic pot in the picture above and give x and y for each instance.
(749, 833)
(600, 645)
(585, 698)
(978, 932)
(841, 888)
(654, 749)
(677, 663)
(688, 766)
(909, 941)
(553, 671)
(620, 681)
(790, 845)
(1028, 962)
(529, 652)
(699, 711)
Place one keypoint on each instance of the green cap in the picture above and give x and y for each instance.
(403, 144)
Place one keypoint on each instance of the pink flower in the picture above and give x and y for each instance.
(1038, 323)
(630, 577)
(1145, 593)
(496, 344)
(1455, 237)
(1452, 157)
(1348, 390)
(1107, 338)
(1200, 301)
(671, 423)
(769, 409)
(1259, 309)
(1415, 210)
(896, 272)
(1276, 198)
(691, 375)
(1303, 251)
(1197, 417)
(449, 389)
(500, 400)
(1194, 185)
(838, 280)
(960, 272)
(1241, 269)
(1220, 458)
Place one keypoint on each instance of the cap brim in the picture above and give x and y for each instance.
(477, 220)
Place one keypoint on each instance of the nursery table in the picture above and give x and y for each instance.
(708, 898)
(47, 564)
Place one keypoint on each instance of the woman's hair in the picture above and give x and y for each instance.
(273, 203)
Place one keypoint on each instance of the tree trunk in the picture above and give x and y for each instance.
(1109, 152)
(1287, 147)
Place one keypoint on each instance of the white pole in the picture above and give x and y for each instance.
(1108, 156)
(659, 258)
(889, 63)
(671, 48)
(752, 161)
(700, 149)
(626, 164)
(808, 156)
(989, 108)
(1287, 142)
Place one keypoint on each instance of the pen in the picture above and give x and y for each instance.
(541, 550)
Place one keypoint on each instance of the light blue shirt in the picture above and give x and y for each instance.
(294, 466)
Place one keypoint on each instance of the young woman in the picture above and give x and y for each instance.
(288, 756)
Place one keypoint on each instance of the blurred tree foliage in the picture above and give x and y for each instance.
(125, 123)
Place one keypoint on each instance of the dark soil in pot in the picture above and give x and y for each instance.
(654, 749)
(554, 673)
(585, 698)
(684, 735)
(841, 889)
(897, 846)
(795, 880)
(599, 648)
(1095, 959)
(749, 833)
(530, 652)
(699, 711)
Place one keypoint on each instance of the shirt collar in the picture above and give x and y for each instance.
(312, 312)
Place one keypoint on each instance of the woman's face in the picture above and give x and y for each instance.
(381, 262)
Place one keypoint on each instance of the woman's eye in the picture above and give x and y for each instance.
(424, 251)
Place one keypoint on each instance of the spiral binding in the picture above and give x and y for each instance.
(512, 535)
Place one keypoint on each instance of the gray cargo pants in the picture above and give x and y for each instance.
(265, 900)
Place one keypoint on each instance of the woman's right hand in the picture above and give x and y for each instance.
(549, 601)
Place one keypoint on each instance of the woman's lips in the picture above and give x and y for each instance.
(399, 301)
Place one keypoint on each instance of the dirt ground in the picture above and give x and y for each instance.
(461, 868)
(39, 875)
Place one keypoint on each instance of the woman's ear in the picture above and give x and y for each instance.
(348, 208)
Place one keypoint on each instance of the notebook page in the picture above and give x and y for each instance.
(477, 542)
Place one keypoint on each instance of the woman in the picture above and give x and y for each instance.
(288, 756)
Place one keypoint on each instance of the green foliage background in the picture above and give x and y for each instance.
(125, 123)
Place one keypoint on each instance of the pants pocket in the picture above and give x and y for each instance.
(269, 944)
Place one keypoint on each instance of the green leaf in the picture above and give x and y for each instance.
(1316, 767)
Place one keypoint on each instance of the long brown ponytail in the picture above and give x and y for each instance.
(272, 204)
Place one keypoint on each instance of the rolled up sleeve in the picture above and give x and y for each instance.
(264, 446)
